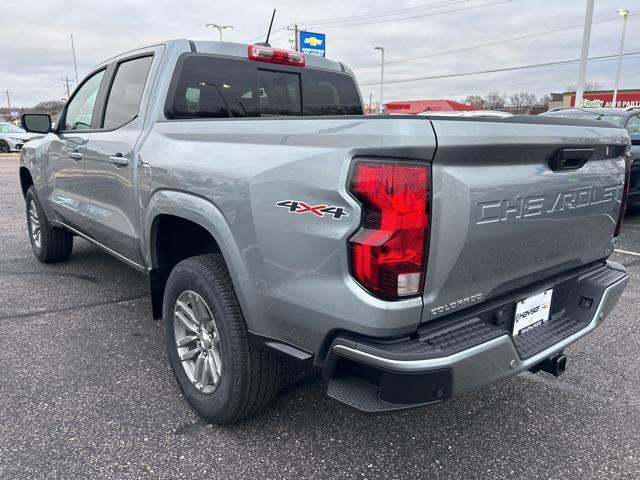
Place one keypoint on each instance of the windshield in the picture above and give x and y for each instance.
(8, 128)
(617, 119)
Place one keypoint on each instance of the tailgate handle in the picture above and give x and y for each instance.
(570, 158)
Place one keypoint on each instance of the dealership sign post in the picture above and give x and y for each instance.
(312, 43)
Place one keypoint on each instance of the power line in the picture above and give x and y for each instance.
(259, 37)
(440, 3)
(398, 11)
(505, 69)
(490, 44)
(337, 19)
(412, 17)
(54, 83)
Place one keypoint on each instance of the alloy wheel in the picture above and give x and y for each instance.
(197, 341)
(34, 223)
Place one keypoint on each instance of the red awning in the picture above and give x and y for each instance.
(413, 107)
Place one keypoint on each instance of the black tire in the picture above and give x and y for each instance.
(251, 377)
(56, 243)
(4, 147)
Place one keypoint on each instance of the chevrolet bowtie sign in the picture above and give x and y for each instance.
(312, 43)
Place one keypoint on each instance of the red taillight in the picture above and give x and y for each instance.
(625, 195)
(275, 55)
(389, 252)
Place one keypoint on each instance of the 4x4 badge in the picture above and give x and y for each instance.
(296, 206)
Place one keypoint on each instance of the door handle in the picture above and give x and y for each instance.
(119, 160)
(75, 155)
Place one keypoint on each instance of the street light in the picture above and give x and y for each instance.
(381, 78)
(219, 27)
(624, 13)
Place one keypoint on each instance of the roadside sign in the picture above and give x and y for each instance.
(312, 43)
(15, 114)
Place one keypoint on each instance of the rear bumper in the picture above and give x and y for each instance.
(468, 353)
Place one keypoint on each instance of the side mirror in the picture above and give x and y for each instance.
(635, 139)
(36, 122)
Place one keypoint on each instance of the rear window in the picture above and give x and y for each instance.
(210, 87)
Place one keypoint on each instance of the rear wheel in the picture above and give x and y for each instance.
(222, 375)
(50, 244)
(4, 147)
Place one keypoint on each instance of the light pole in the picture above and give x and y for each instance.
(381, 78)
(624, 13)
(75, 64)
(582, 70)
(220, 27)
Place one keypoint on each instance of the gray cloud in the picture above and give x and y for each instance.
(37, 54)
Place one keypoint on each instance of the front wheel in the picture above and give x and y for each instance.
(4, 147)
(50, 244)
(222, 375)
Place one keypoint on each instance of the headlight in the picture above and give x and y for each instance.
(17, 140)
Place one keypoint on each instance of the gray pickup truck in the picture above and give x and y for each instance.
(410, 259)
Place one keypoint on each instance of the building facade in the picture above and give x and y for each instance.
(603, 98)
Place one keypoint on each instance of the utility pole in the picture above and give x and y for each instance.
(382, 77)
(8, 100)
(75, 65)
(582, 70)
(296, 36)
(624, 13)
(66, 80)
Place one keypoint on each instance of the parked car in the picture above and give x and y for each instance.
(411, 259)
(628, 118)
(12, 137)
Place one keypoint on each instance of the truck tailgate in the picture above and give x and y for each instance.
(504, 215)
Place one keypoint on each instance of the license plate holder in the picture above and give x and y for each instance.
(532, 311)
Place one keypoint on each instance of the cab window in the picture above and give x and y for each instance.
(125, 96)
(80, 110)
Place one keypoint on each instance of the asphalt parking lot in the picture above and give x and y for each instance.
(86, 392)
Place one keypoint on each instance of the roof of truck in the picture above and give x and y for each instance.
(233, 49)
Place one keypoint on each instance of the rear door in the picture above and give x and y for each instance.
(505, 214)
(111, 158)
(69, 195)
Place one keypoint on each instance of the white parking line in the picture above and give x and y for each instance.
(627, 252)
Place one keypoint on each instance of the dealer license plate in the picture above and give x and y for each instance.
(532, 312)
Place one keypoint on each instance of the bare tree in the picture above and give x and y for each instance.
(475, 101)
(588, 87)
(495, 100)
(522, 102)
(544, 101)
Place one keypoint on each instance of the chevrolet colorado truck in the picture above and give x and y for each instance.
(410, 259)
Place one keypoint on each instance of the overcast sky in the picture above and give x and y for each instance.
(36, 51)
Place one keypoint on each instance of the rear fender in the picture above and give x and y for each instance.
(204, 213)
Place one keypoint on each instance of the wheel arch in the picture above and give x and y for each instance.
(26, 180)
(174, 217)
